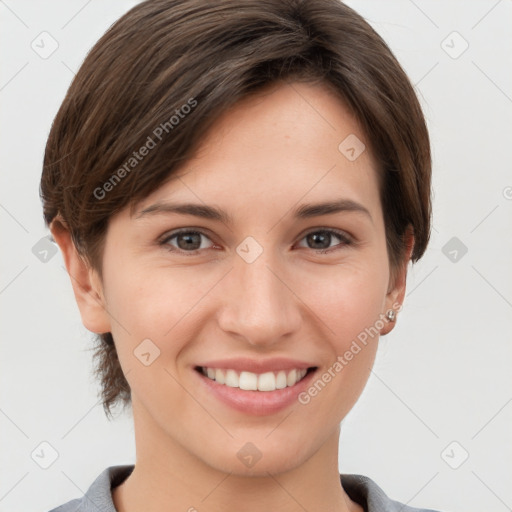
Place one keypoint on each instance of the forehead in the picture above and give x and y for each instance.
(282, 144)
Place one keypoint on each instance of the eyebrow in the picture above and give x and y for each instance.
(304, 211)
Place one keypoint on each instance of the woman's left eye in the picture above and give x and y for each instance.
(192, 241)
(320, 240)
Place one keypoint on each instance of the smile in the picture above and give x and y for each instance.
(249, 381)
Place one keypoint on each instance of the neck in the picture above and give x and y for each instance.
(168, 477)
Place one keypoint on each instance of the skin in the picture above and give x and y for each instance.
(262, 159)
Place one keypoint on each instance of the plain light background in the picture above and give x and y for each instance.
(440, 390)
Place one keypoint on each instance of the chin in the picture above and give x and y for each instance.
(249, 461)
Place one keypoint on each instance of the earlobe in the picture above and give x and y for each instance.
(396, 293)
(85, 281)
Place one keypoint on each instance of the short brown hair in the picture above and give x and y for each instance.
(164, 54)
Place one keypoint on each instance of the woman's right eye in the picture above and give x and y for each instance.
(188, 241)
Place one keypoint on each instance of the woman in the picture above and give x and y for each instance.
(237, 189)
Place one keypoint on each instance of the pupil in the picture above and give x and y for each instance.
(191, 239)
(321, 238)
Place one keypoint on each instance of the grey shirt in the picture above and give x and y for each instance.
(360, 489)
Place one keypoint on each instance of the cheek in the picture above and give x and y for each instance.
(149, 301)
(155, 303)
(151, 304)
(347, 299)
(349, 304)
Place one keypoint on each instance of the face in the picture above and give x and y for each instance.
(275, 272)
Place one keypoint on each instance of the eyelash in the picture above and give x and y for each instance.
(345, 239)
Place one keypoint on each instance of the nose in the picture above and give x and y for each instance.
(259, 305)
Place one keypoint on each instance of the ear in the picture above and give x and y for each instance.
(396, 291)
(85, 281)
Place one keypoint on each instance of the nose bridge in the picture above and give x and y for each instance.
(258, 305)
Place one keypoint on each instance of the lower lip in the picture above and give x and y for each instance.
(258, 403)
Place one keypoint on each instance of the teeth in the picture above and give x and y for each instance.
(291, 378)
(281, 380)
(268, 381)
(248, 381)
(219, 377)
(232, 379)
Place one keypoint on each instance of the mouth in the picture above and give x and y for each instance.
(259, 387)
(250, 381)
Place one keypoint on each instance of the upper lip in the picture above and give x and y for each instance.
(257, 365)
